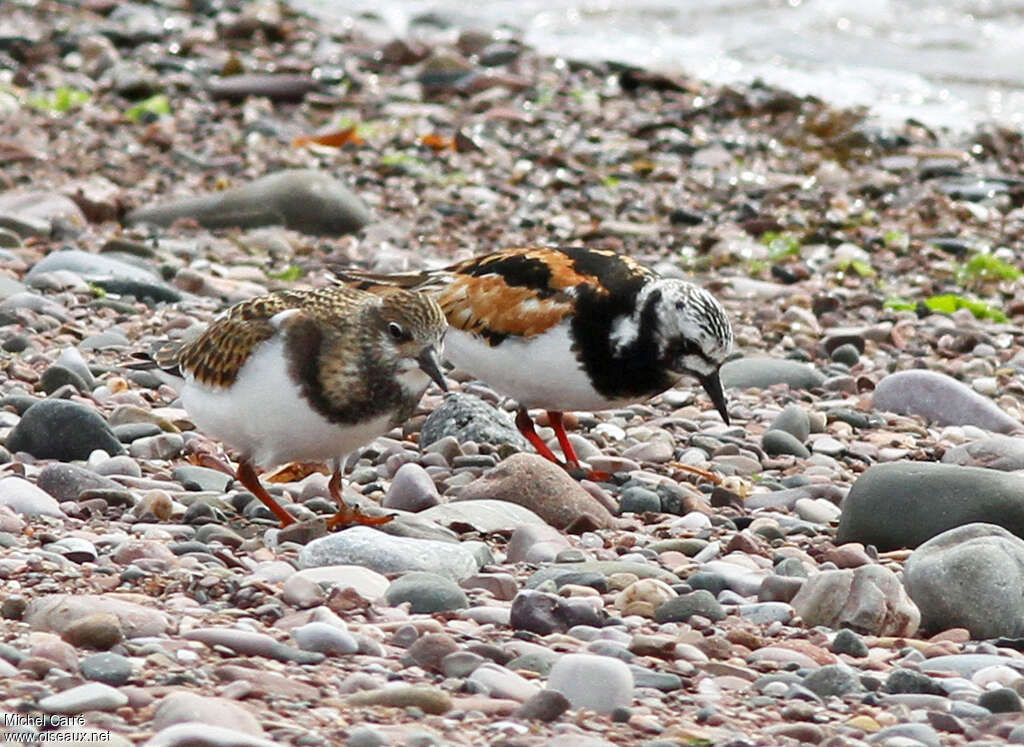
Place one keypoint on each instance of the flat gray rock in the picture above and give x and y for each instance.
(385, 553)
(970, 577)
(940, 399)
(426, 593)
(762, 372)
(89, 266)
(485, 515)
(998, 452)
(902, 504)
(301, 199)
(27, 499)
(93, 696)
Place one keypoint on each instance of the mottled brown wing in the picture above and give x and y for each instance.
(525, 292)
(492, 309)
(218, 354)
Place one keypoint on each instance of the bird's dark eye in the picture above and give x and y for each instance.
(396, 331)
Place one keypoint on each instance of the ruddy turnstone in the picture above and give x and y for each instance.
(572, 329)
(309, 375)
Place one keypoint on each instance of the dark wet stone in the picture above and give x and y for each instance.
(468, 418)
(426, 593)
(303, 200)
(685, 217)
(16, 344)
(684, 606)
(940, 399)
(776, 442)
(902, 504)
(59, 429)
(832, 680)
(1000, 700)
(715, 583)
(151, 292)
(274, 86)
(848, 642)
(55, 377)
(959, 579)
(109, 668)
(542, 613)
(952, 245)
(911, 681)
(639, 500)
(973, 189)
(855, 418)
(765, 372)
(128, 432)
(846, 354)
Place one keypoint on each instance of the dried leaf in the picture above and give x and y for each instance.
(294, 472)
(335, 139)
(438, 142)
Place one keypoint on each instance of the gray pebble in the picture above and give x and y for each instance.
(775, 443)
(426, 593)
(468, 418)
(93, 696)
(793, 420)
(108, 668)
(325, 639)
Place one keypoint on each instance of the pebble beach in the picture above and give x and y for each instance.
(843, 564)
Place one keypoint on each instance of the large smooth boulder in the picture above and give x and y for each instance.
(970, 577)
(902, 504)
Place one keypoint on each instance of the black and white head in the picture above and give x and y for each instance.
(692, 331)
(410, 327)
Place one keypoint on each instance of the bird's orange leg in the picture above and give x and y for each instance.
(348, 515)
(572, 463)
(525, 426)
(247, 476)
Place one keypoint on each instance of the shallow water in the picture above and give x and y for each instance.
(953, 63)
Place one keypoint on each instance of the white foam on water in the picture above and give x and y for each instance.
(952, 64)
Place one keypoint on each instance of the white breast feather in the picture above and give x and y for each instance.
(265, 418)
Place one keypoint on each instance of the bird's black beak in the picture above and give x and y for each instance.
(432, 368)
(713, 386)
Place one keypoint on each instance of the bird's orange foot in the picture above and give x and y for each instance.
(351, 515)
(709, 476)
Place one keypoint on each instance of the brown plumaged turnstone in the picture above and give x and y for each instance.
(572, 329)
(309, 375)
